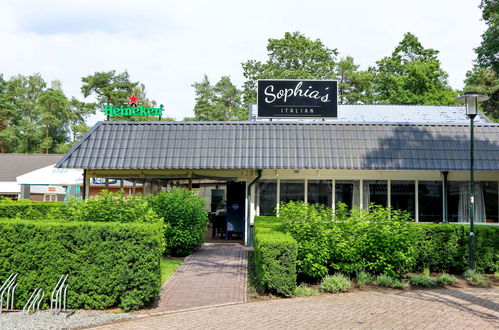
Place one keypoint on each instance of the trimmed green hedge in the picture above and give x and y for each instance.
(28, 209)
(109, 264)
(444, 247)
(275, 256)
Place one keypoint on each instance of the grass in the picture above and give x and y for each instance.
(390, 282)
(168, 267)
(363, 278)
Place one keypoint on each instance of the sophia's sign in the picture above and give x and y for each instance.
(297, 98)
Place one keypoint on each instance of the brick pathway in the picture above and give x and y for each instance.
(216, 274)
(417, 309)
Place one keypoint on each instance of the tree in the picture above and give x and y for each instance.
(353, 85)
(221, 102)
(411, 75)
(6, 117)
(54, 117)
(487, 52)
(292, 57)
(79, 111)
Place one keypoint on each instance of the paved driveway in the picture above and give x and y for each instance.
(417, 309)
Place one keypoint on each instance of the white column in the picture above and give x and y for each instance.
(417, 201)
(306, 191)
(278, 196)
(361, 198)
(389, 192)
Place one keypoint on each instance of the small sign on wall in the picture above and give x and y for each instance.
(297, 98)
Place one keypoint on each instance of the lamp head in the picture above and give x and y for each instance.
(471, 100)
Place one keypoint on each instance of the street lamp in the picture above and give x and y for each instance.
(471, 100)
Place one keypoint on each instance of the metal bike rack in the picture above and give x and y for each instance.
(9, 287)
(59, 297)
(33, 304)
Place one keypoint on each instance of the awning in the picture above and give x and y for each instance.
(50, 175)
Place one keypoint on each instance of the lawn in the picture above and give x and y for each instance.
(168, 267)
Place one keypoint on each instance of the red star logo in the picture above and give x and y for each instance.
(133, 99)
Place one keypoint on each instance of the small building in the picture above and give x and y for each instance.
(414, 158)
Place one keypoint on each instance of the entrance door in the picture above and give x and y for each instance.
(235, 209)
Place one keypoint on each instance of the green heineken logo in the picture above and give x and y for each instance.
(111, 110)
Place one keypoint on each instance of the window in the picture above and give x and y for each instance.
(486, 201)
(375, 192)
(347, 192)
(403, 196)
(292, 190)
(320, 192)
(430, 201)
(50, 198)
(491, 196)
(267, 197)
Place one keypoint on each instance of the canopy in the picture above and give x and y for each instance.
(50, 175)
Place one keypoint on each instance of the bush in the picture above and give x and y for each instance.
(304, 290)
(27, 209)
(390, 282)
(109, 264)
(475, 278)
(110, 206)
(185, 219)
(421, 280)
(446, 279)
(363, 278)
(336, 283)
(275, 257)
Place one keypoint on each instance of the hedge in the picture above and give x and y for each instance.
(28, 209)
(109, 264)
(275, 256)
(444, 247)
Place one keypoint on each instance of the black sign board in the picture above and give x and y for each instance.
(297, 98)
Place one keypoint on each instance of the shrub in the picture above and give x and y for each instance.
(304, 290)
(496, 275)
(475, 278)
(446, 279)
(275, 255)
(110, 206)
(363, 278)
(421, 280)
(27, 209)
(185, 219)
(390, 282)
(109, 264)
(335, 283)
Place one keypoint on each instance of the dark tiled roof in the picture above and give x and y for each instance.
(14, 165)
(292, 145)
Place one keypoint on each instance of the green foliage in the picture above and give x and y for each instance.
(379, 241)
(221, 102)
(390, 282)
(274, 257)
(475, 278)
(335, 283)
(27, 209)
(109, 264)
(110, 206)
(185, 219)
(446, 279)
(485, 80)
(489, 48)
(411, 75)
(363, 278)
(304, 290)
(421, 280)
(444, 247)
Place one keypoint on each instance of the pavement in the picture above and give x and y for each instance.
(214, 275)
(415, 309)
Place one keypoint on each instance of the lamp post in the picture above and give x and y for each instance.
(471, 100)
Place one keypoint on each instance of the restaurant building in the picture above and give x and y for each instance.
(414, 158)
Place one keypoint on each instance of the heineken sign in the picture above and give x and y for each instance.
(132, 109)
(297, 98)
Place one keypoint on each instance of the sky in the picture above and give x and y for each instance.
(169, 45)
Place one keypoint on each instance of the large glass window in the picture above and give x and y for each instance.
(320, 192)
(347, 192)
(430, 201)
(403, 196)
(292, 190)
(267, 196)
(486, 201)
(375, 191)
